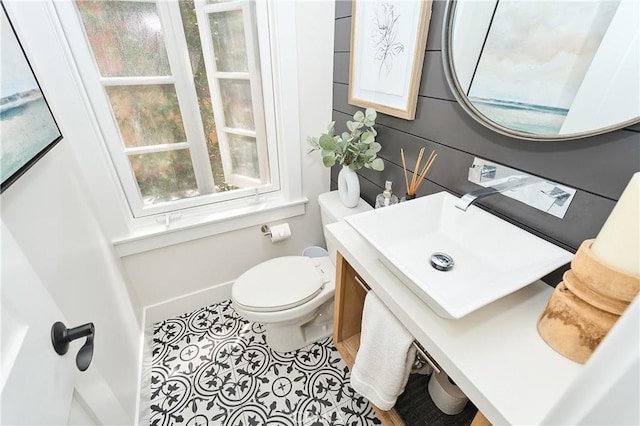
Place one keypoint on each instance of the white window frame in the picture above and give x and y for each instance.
(181, 79)
(244, 207)
(266, 154)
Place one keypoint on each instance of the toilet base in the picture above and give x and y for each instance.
(291, 336)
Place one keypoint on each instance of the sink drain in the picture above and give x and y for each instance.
(441, 261)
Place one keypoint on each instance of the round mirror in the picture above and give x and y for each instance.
(552, 70)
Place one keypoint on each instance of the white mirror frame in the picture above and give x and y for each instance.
(467, 105)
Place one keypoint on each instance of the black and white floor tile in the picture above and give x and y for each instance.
(213, 367)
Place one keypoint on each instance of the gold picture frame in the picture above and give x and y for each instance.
(388, 42)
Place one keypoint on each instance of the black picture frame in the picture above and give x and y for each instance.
(28, 129)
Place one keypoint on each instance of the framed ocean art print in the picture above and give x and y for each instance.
(388, 42)
(28, 129)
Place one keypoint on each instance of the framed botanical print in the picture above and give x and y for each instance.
(388, 41)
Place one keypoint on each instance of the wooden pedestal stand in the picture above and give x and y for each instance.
(585, 305)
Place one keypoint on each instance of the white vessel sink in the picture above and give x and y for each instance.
(493, 258)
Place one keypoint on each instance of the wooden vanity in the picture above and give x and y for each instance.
(494, 355)
(349, 302)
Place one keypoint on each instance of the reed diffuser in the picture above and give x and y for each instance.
(418, 175)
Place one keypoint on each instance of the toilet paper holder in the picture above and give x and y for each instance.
(422, 354)
(277, 233)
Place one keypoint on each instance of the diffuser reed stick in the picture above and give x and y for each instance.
(415, 170)
(404, 166)
(418, 174)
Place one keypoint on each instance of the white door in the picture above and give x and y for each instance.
(38, 385)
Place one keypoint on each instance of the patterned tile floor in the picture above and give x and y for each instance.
(213, 367)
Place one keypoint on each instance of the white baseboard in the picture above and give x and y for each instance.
(187, 303)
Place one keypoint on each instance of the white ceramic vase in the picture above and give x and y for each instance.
(348, 187)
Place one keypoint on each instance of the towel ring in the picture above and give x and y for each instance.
(422, 352)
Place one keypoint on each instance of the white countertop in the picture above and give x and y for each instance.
(494, 355)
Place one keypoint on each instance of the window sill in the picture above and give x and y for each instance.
(157, 235)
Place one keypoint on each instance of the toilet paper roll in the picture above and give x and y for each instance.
(447, 396)
(280, 232)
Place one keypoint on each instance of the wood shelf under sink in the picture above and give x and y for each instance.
(349, 303)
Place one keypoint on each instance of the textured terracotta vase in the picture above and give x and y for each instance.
(585, 305)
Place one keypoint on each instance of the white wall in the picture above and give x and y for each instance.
(170, 272)
(49, 213)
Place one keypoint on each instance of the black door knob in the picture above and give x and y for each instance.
(61, 336)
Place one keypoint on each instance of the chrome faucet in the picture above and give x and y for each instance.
(547, 196)
(512, 183)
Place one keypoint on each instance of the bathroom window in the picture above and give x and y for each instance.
(179, 89)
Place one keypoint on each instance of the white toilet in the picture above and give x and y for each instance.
(293, 295)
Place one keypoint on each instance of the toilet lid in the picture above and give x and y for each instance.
(277, 284)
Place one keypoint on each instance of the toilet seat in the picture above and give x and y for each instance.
(280, 283)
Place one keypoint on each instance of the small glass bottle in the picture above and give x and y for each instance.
(387, 197)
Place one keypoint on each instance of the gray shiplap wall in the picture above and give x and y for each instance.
(598, 167)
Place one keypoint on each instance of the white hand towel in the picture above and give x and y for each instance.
(385, 357)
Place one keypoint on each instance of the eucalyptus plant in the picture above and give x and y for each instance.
(356, 148)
